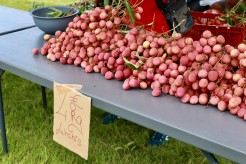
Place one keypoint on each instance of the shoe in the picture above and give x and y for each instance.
(157, 139)
(109, 118)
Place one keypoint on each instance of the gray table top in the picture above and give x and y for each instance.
(205, 127)
(13, 20)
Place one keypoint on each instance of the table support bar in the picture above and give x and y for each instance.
(2, 120)
(211, 158)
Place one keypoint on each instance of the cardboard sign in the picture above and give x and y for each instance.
(71, 118)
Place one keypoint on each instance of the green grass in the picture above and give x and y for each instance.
(27, 4)
(29, 130)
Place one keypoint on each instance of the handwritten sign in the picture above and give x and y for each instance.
(71, 118)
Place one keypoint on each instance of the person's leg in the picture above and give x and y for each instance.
(195, 6)
(157, 139)
(109, 118)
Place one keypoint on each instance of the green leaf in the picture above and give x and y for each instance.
(54, 9)
(139, 58)
(243, 6)
(174, 31)
(56, 13)
(130, 11)
(106, 2)
(221, 19)
(51, 13)
(230, 22)
(131, 65)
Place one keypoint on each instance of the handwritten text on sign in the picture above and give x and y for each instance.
(71, 119)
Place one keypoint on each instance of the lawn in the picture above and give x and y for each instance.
(29, 129)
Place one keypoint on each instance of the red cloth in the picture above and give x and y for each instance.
(150, 10)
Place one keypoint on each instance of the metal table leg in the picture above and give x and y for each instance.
(2, 121)
(210, 157)
(44, 97)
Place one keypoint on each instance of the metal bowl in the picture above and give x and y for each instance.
(49, 24)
